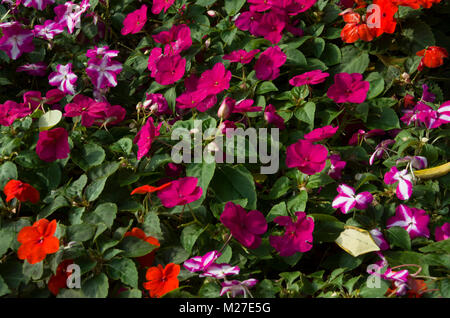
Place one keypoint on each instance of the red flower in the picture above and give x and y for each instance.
(387, 21)
(38, 241)
(162, 280)
(146, 260)
(354, 30)
(149, 189)
(433, 56)
(417, 288)
(59, 280)
(21, 191)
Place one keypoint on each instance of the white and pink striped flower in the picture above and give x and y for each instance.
(48, 30)
(236, 287)
(379, 239)
(399, 278)
(16, 41)
(103, 72)
(417, 162)
(69, 14)
(36, 69)
(413, 220)
(37, 4)
(201, 263)
(403, 180)
(64, 79)
(347, 200)
(220, 271)
(380, 149)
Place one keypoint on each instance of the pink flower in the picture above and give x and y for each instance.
(227, 125)
(417, 162)
(380, 149)
(236, 287)
(53, 144)
(69, 14)
(220, 271)
(306, 157)
(362, 135)
(103, 72)
(180, 192)
(157, 104)
(309, 78)
(35, 69)
(178, 38)
(379, 239)
(399, 278)
(201, 263)
(272, 117)
(404, 186)
(336, 167)
(215, 80)
(248, 21)
(297, 237)
(245, 227)
(226, 108)
(413, 220)
(241, 56)
(321, 133)
(64, 79)
(294, 7)
(443, 232)
(348, 88)
(37, 4)
(261, 5)
(10, 111)
(135, 21)
(346, 199)
(48, 30)
(101, 52)
(166, 68)
(245, 106)
(159, 5)
(145, 137)
(89, 110)
(16, 41)
(271, 27)
(267, 67)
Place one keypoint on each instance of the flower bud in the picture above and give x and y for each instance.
(211, 13)
(225, 108)
(207, 43)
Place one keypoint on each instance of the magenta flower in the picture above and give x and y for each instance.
(89, 110)
(64, 79)
(427, 95)
(145, 137)
(267, 67)
(271, 26)
(261, 5)
(417, 162)
(178, 38)
(226, 108)
(180, 192)
(201, 263)
(156, 104)
(101, 52)
(380, 149)
(297, 237)
(248, 21)
(16, 41)
(241, 56)
(53, 144)
(379, 239)
(399, 278)
(159, 5)
(413, 220)
(348, 88)
(347, 200)
(189, 100)
(306, 157)
(294, 7)
(245, 227)
(227, 125)
(103, 72)
(362, 135)
(321, 133)
(271, 116)
(220, 271)
(443, 232)
(48, 30)
(215, 80)
(69, 14)
(35, 69)
(309, 78)
(37, 4)
(336, 167)
(135, 21)
(10, 111)
(236, 287)
(404, 186)
(166, 68)
(245, 106)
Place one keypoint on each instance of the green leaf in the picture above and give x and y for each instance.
(91, 155)
(135, 247)
(306, 114)
(375, 292)
(376, 84)
(8, 171)
(4, 289)
(353, 60)
(277, 210)
(318, 46)
(319, 180)
(33, 271)
(398, 236)
(385, 120)
(232, 7)
(76, 188)
(298, 203)
(280, 188)
(327, 228)
(331, 54)
(96, 287)
(94, 189)
(295, 57)
(444, 287)
(125, 270)
(103, 213)
(417, 35)
(80, 232)
(132, 293)
(266, 87)
(57, 203)
(441, 246)
(123, 145)
(7, 237)
(151, 225)
(171, 95)
(189, 236)
(103, 171)
(204, 172)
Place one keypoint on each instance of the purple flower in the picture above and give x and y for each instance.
(306, 157)
(145, 137)
(413, 220)
(103, 72)
(380, 149)
(348, 88)
(69, 14)
(336, 167)
(48, 30)
(346, 199)
(379, 239)
(399, 278)
(267, 67)
(64, 79)
(180, 192)
(404, 186)
(321, 133)
(417, 162)
(220, 271)
(309, 78)
(443, 232)
(427, 96)
(297, 237)
(16, 41)
(37, 4)
(53, 144)
(35, 69)
(245, 227)
(201, 263)
(236, 287)
(272, 117)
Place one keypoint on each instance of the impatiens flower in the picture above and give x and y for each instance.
(306, 157)
(261, 5)
(161, 280)
(347, 200)
(178, 38)
(201, 263)
(215, 80)
(166, 68)
(37, 241)
(16, 189)
(59, 280)
(160, 5)
(380, 149)
(271, 116)
(321, 133)
(427, 95)
(241, 56)
(248, 21)
(48, 30)
(404, 186)
(10, 111)
(413, 220)
(236, 288)
(363, 135)
(37, 4)
(180, 192)
(271, 27)
(354, 30)
(245, 227)
(417, 162)
(245, 106)
(35, 69)
(400, 280)
(227, 127)
(267, 67)
(309, 78)
(69, 14)
(64, 79)
(297, 236)
(386, 22)
(379, 239)
(53, 144)
(146, 260)
(442, 232)
(89, 110)
(103, 72)
(149, 189)
(145, 137)
(348, 88)
(337, 165)
(433, 56)
(101, 52)
(135, 21)
(173, 170)
(16, 41)
(220, 271)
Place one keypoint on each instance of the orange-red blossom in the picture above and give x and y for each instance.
(161, 280)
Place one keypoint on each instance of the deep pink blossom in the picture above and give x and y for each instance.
(271, 27)
(309, 78)
(178, 38)
(160, 5)
(103, 72)
(37, 4)
(16, 41)
(363, 135)
(156, 104)
(442, 232)
(321, 133)
(135, 21)
(294, 7)
(145, 137)
(306, 157)
(246, 106)
(348, 88)
(404, 182)
(297, 237)
(379, 239)
(267, 67)
(261, 5)
(413, 220)
(271, 116)
(35, 69)
(89, 110)
(180, 192)
(166, 68)
(64, 79)
(53, 144)
(347, 199)
(241, 56)
(201, 263)
(48, 30)
(248, 21)
(337, 165)
(10, 111)
(215, 80)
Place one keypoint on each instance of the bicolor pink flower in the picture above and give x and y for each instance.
(417, 162)
(37, 4)
(347, 200)
(363, 135)
(337, 165)
(201, 263)
(379, 239)
(413, 220)
(297, 236)
(101, 52)
(156, 104)
(236, 288)
(166, 68)
(442, 232)
(348, 88)
(103, 72)
(267, 67)
(48, 30)
(215, 80)
(220, 271)
(241, 56)
(16, 41)
(135, 21)
(180, 192)
(245, 227)
(10, 111)
(64, 79)
(403, 180)
(321, 133)
(271, 116)
(380, 150)
(306, 157)
(53, 144)
(160, 5)
(178, 38)
(443, 113)
(399, 278)
(35, 69)
(309, 78)
(145, 137)
(69, 14)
